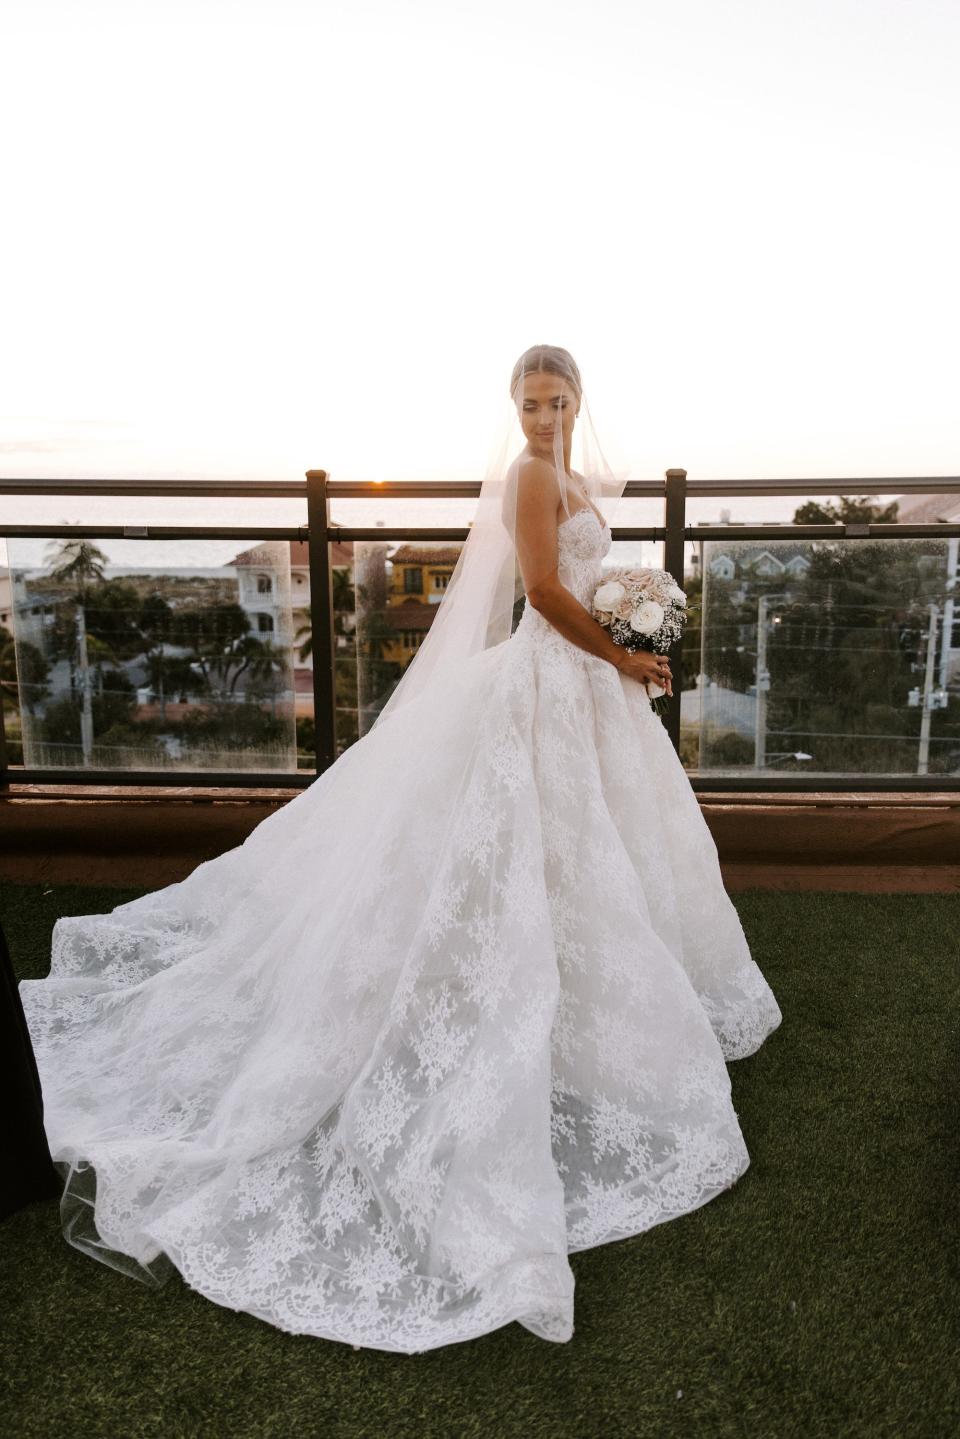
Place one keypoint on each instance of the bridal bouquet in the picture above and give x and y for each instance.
(644, 609)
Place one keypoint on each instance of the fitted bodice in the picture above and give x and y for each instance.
(582, 542)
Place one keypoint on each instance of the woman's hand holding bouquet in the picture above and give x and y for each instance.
(644, 611)
(652, 671)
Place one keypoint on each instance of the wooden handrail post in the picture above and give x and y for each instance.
(675, 521)
(321, 620)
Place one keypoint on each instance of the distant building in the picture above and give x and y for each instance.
(928, 509)
(341, 558)
(419, 575)
(261, 597)
(745, 560)
(723, 567)
(32, 605)
(419, 578)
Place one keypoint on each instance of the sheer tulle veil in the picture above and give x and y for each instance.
(479, 607)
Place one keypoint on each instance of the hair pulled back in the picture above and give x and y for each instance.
(553, 360)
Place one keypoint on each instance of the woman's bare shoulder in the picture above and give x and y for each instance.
(536, 476)
(534, 465)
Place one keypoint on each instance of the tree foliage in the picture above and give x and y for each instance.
(846, 510)
(846, 643)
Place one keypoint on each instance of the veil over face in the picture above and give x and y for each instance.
(546, 463)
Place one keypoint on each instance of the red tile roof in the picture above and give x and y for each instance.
(341, 555)
(411, 615)
(415, 554)
(928, 509)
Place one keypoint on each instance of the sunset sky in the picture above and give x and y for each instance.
(251, 237)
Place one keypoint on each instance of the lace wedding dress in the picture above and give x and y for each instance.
(460, 1008)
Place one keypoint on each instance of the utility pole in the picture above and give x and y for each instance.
(949, 609)
(86, 711)
(923, 758)
(763, 682)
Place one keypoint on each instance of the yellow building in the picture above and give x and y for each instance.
(419, 578)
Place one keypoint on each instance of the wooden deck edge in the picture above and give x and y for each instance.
(209, 794)
(149, 839)
(849, 878)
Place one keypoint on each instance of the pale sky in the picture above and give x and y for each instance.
(249, 237)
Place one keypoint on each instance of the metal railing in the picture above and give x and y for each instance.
(319, 532)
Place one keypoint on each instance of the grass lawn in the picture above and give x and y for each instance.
(817, 1297)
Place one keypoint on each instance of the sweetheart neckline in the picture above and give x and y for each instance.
(584, 510)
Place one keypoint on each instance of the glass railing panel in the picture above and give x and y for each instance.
(368, 512)
(720, 509)
(184, 510)
(836, 658)
(642, 511)
(397, 588)
(627, 554)
(394, 512)
(131, 655)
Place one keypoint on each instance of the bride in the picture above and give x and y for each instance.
(460, 1008)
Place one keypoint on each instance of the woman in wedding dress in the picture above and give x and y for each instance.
(459, 1009)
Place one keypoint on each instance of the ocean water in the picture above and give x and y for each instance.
(202, 553)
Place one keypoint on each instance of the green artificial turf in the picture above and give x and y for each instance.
(817, 1297)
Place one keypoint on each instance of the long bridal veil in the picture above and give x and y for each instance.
(203, 1044)
(479, 606)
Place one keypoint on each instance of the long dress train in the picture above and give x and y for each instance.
(460, 1008)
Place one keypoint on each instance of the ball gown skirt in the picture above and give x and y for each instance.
(459, 1009)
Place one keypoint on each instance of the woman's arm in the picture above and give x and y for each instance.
(538, 556)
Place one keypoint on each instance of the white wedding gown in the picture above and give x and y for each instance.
(458, 1009)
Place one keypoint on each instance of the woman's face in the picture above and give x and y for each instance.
(546, 402)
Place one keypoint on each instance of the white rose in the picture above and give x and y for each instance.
(647, 617)
(608, 595)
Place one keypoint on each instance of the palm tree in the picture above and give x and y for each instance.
(264, 664)
(8, 664)
(258, 659)
(214, 636)
(78, 562)
(375, 634)
(168, 677)
(344, 592)
(306, 633)
(345, 596)
(100, 653)
(155, 624)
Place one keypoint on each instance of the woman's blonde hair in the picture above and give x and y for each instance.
(550, 358)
